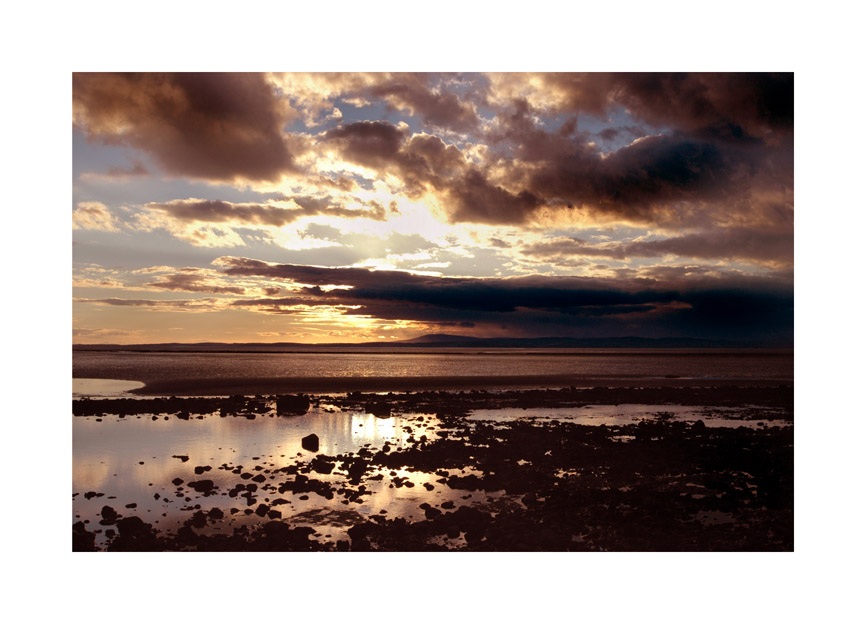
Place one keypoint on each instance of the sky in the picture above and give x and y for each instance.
(352, 207)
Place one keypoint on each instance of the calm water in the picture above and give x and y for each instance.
(770, 366)
(130, 460)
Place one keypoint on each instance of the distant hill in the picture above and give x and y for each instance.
(556, 342)
(438, 338)
(440, 341)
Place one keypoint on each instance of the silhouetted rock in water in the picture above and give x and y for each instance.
(262, 510)
(198, 520)
(310, 443)
(183, 458)
(292, 405)
(378, 409)
(82, 539)
(89, 495)
(201, 469)
(109, 516)
(321, 465)
(177, 480)
(205, 486)
(215, 514)
(278, 536)
(183, 415)
(134, 534)
(356, 467)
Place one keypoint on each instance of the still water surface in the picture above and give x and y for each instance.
(648, 363)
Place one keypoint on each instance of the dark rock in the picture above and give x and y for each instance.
(380, 410)
(432, 512)
(201, 469)
(310, 443)
(109, 516)
(177, 480)
(292, 405)
(198, 520)
(135, 535)
(322, 466)
(82, 539)
(183, 458)
(204, 486)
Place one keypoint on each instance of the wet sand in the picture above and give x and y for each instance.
(455, 482)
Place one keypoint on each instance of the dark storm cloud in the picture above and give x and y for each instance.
(731, 244)
(666, 179)
(419, 160)
(425, 162)
(204, 125)
(214, 211)
(754, 102)
(662, 179)
(731, 306)
(437, 107)
(719, 138)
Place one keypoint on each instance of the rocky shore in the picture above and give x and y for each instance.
(519, 485)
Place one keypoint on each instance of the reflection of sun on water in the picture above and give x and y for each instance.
(367, 428)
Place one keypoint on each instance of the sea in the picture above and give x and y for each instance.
(537, 367)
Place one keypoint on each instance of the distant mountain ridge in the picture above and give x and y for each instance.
(453, 341)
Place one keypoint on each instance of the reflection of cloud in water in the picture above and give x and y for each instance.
(89, 475)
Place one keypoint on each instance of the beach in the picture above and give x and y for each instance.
(479, 463)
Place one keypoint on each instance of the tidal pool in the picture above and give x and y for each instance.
(133, 462)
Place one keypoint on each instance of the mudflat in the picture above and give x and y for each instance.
(426, 473)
